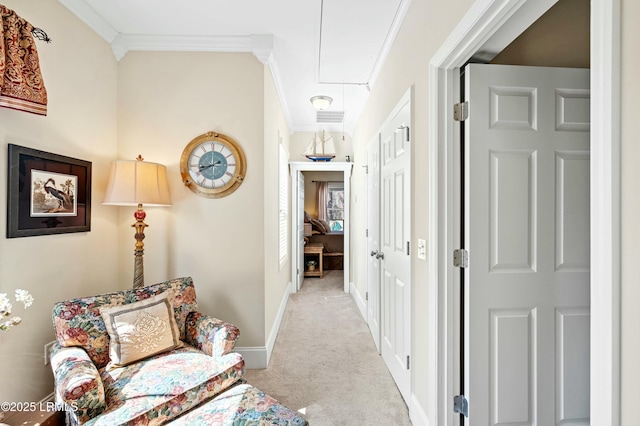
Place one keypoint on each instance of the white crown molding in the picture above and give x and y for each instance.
(261, 45)
(277, 81)
(388, 42)
(86, 14)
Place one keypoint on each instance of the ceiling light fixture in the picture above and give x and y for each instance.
(321, 102)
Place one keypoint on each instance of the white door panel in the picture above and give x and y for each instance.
(395, 238)
(527, 221)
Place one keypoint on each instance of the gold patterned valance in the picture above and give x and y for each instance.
(21, 84)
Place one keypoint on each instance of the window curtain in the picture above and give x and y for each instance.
(21, 85)
(323, 198)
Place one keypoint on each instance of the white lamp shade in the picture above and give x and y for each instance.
(137, 182)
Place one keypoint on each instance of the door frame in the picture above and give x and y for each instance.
(299, 219)
(493, 24)
(297, 167)
(376, 225)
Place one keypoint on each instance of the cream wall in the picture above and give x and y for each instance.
(80, 74)
(630, 174)
(426, 26)
(165, 99)
(276, 275)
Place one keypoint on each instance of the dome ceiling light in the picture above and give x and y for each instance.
(321, 102)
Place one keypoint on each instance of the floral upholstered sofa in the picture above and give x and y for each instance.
(140, 356)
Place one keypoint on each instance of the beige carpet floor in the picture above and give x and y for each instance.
(325, 365)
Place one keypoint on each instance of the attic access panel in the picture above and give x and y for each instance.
(362, 23)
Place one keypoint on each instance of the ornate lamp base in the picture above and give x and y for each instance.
(138, 267)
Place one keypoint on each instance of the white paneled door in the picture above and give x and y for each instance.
(395, 244)
(373, 239)
(527, 232)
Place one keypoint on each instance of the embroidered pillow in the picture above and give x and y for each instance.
(141, 329)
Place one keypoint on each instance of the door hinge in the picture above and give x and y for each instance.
(408, 362)
(366, 232)
(366, 296)
(406, 131)
(366, 169)
(408, 248)
(461, 405)
(461, 111)
(461, 258)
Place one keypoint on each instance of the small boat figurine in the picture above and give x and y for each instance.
(321, 149)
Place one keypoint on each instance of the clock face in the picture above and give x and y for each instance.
(212, 165)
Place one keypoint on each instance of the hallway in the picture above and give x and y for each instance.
(325, 364)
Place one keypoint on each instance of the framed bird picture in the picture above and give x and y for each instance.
(47, 193)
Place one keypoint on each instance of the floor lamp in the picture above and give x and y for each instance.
(137, 182)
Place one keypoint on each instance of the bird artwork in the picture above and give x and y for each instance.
(53, 194)
(63, 198)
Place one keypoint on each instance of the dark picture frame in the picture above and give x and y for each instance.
(47, 193)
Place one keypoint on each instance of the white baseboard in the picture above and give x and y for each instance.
(254, 357)
(271, 341)
(258, 357)
(360, 302)
(49, 398)
(417, 414)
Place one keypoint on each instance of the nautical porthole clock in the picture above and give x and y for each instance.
(213, 165)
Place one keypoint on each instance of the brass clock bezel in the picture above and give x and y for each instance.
(238, 176)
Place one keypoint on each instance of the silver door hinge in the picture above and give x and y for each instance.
(408, 362)
(366, 232)
(366, 296)
(461, 111)
(408, 248)
(461, 405)
(461, 258)
(406, 131)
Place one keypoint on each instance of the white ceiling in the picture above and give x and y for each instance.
(314, 47)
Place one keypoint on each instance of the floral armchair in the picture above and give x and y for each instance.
(140, 356)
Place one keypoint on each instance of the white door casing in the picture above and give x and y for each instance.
(504, 21)
(296, 168)
(373, 239)
(300, 233)
(527, 218)
(395, 243)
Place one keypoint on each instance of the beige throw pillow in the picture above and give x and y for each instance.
(325, 224)
(141, 329)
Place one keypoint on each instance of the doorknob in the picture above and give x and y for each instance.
(380, 255)
(374, 253)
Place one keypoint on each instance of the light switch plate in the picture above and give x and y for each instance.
(422, 249)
